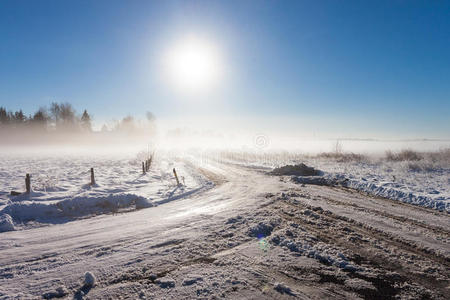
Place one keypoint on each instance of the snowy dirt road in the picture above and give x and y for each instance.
(250, 236)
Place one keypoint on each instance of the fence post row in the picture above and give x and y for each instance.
(176, 177)
(146, 165)
(92, 176)
(28, 183)
(145, 168)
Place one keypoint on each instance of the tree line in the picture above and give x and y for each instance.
(60, 116)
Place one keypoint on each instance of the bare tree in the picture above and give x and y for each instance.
(40, 118)
(86, 121)
(55, 112)
(67, 115)
(150, 116)
(19, 117)
(4, 116)
(63, 116)
(127, 124)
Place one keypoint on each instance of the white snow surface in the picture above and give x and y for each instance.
(237, 233)
(61, 189)
(419, 183)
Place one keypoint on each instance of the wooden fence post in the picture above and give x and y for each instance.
(176, 177)
(28, 183)
(92, 176)
(143, 168)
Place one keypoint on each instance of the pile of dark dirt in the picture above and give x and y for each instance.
(297, 170)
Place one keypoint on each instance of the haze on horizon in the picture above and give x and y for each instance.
(301, 69)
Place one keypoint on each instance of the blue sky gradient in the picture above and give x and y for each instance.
(358, 68)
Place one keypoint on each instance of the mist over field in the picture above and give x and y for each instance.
(63, 126)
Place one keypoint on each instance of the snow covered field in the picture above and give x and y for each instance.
(61, 189)
(231, 231)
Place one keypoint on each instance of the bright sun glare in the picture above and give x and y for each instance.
(194, 65)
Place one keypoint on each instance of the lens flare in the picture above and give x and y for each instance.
(263, 244)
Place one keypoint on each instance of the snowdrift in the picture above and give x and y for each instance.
(73, 208)
(60, 191)
(384, 190)
(6, 223)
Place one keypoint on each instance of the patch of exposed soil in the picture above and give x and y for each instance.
(296, 170)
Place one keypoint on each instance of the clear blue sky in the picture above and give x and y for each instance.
(365, 67)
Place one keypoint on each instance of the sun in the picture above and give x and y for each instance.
(194, 65)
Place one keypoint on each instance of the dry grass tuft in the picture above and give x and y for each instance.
(404, 155)
(421, 161)
(343, 157)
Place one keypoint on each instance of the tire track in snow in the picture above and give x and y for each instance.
(436, 229)
(367, 253)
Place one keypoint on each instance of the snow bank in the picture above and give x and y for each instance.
(313, 180)
(142, 202)
(6, 223)
(385, 190)
(74, 207)
(422, 182)
(60, 189)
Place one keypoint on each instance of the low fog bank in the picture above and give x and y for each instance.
(179, 141)
(273, 134)
(258, 142)
(34, 138)
(61, 129)
(61, 125)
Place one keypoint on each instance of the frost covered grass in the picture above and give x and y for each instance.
(404, 155)
(421, 161)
